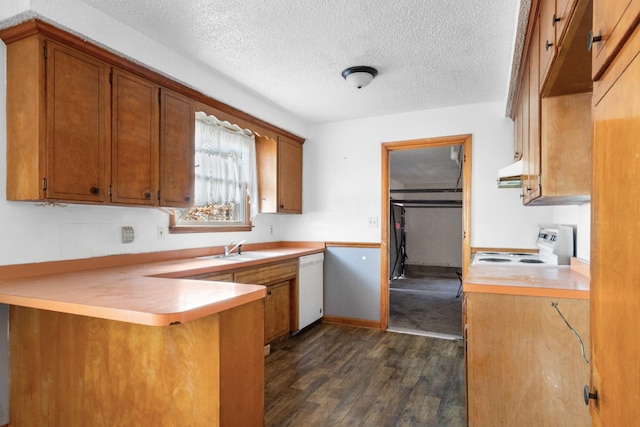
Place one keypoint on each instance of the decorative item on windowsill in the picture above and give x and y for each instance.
(359, 76)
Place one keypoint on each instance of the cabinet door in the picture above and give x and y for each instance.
(564, 9)
(135, 154)
(518, 123)
(276, 311)
(531, 161)
(615, 239)
(177, 128)
(613, 21)
(547, 47)
(524, 365)
(289, 176)
(267, 164)
(78, 138)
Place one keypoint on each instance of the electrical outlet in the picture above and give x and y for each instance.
(127, 234)
(373, 221)
(161, 231)
(271, 230)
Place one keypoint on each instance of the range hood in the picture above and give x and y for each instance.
(511, 176)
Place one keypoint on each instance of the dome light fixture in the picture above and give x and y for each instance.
(359, 76)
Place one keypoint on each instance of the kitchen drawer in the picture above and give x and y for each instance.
(268, 274)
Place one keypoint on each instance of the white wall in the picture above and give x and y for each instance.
(342, 176)
(580, 216)
(434, 236)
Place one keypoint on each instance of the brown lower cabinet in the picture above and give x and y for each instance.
(524, 365)
(276, 312)
(280, 306)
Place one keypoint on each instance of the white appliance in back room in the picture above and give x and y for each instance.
(310, 289)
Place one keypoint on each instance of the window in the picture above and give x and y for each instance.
(225, 177)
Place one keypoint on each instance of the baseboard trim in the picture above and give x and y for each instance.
(349, 321)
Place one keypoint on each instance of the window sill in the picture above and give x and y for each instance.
(178, 229)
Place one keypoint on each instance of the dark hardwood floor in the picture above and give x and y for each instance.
(336, 375)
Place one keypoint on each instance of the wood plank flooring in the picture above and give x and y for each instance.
(334, 375)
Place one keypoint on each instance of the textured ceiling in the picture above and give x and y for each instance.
(429, 53)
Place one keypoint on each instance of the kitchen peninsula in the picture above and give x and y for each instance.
(138, 345)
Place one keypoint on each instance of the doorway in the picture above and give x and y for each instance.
(436, 270)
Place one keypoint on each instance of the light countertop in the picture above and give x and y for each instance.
(549, 281)
(149, 294)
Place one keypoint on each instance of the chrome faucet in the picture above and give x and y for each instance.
(228, 251)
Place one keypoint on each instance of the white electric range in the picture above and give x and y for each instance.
(555, 247)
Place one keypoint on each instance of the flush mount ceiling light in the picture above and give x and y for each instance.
(359, 76)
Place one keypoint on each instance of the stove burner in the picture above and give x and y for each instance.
(521, 254)
(495, 259)
(531, 261)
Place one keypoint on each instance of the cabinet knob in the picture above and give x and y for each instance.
(268, 292)
(282, 206)
(588, 395)
(187, 198)
(592, 39)
(94, 190)
(554, 20)
(547, 45)
(147, 195)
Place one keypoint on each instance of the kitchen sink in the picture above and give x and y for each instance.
(244, 256)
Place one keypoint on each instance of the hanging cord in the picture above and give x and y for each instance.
(403, 239)
(393, 222)
(584, 356)
(459, 168)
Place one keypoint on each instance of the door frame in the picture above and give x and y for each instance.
(387, 147)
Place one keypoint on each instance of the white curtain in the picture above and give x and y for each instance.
(225, 162)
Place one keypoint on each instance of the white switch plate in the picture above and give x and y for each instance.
(127, 234)
(161, 232)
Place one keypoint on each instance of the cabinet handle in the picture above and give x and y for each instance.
(547, 45)
(268, 292)
(147, 195)
(281, 206)
(187, 198)
(588, 395)
(592, 39)
(94, 190)
(555, 19)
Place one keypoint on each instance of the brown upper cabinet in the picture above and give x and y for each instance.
(531, 181)
(58, 134)
(553, 22)
(135, 153)
(85, 125)
(613, 22)
(556, 149)
(153, 143)
(75, 137)
(279, 175)
(177, 129)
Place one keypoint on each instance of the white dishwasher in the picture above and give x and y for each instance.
(310, 289)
